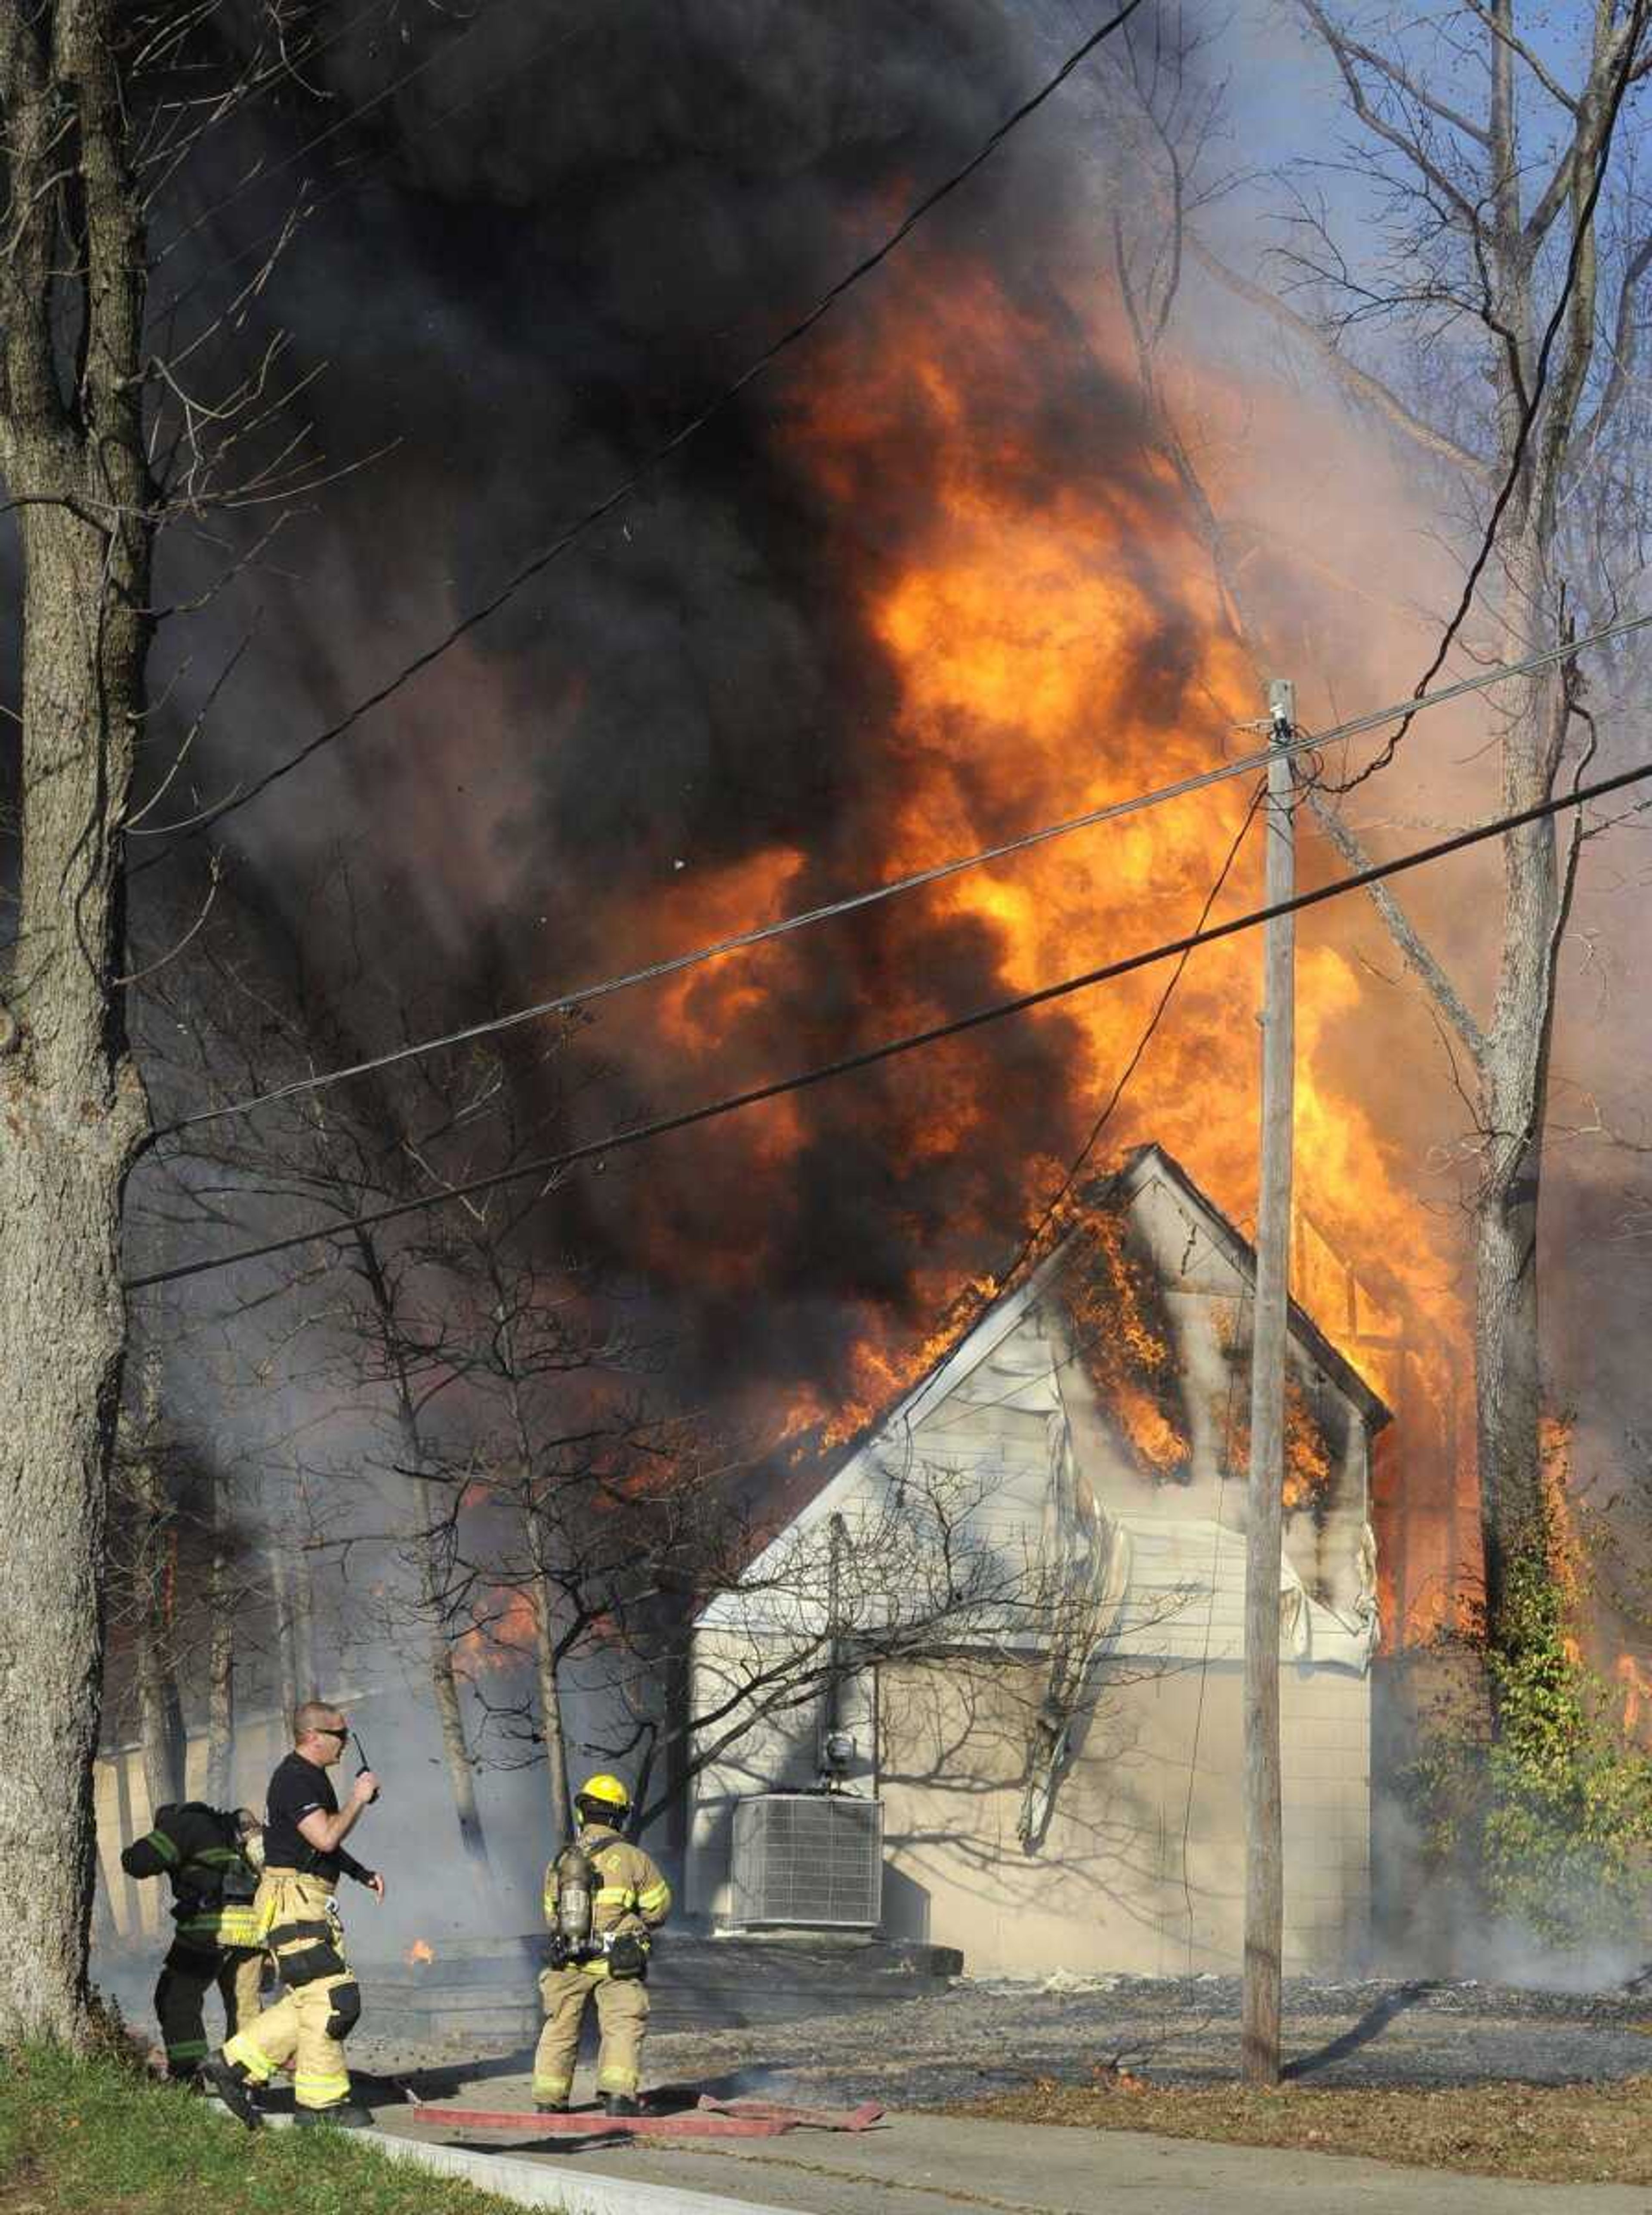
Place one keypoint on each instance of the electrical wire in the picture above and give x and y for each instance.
(779, 1088)
(536, 563)
(673, 965)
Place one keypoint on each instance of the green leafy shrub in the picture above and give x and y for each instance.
(1547, 1815)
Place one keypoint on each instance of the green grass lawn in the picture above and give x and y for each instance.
(98, 2137)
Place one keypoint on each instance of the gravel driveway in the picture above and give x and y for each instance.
(982, 2037)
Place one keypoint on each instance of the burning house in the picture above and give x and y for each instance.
(1008, 1627)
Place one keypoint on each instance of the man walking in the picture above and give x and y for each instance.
(304, 1856)
(603, 1900)
(212, 1857)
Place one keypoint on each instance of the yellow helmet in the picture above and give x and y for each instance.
(608, 1790)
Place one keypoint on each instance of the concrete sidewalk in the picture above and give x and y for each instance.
(934, 2165)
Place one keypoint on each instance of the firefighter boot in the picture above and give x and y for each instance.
(234, 2087)
(621, 2103)
(345, 2115)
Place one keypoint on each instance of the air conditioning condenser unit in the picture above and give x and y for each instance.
(812, 1859)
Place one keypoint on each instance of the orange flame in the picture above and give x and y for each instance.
(1049, 638)
(507, 1634)
(1017, 630)
(418, 1953)
(1149, 1429)
(1565, 1547)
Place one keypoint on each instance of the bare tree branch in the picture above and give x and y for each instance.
(1359, 383)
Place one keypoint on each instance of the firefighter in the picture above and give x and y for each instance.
(304, 1856)
(603, 1900)
(212, 1856)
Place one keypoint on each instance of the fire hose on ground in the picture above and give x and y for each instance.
(708, 2119)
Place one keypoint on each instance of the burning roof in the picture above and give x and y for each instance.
(1115, 1306)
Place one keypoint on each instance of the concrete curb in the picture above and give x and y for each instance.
(531, 2186)
(572, 2191)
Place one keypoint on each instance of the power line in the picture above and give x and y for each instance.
(539, 562)
(779, 1088)
(673, 965)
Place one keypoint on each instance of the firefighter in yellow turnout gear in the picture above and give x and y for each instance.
(212, 1857)
(298, 1921)
(603, 1899)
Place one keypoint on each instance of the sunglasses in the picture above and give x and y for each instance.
(333, 1730)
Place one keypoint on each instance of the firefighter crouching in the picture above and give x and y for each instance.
(602, 1897)
(212, 1856)
(304, 1831)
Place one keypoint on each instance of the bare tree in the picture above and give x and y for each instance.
(115, 420)
(917, 1570)
(472, 1367)
(401, 1348)
(76, 471)
(1504, 275)
(179, 1579)
(579, 1483)
(378, 1332)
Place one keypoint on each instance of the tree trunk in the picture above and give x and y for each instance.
(551, 1704)
(160, 1709)
(461, 1778)
(445, 1684)
(1509, 1390)
(301, 1588)
(154, 1600)
(432, 1573)
(60, 1346)
(220, 1660)
(71, 1107)
(543, 1589)
(70, 1115)
(1264, 1898)
(1507, 1385)
(287, 1679)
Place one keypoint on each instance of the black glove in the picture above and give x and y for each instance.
(557, 1954)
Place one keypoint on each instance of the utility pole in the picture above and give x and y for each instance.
(1264, 1890)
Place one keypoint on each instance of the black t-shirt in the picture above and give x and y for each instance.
(298, 1789)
